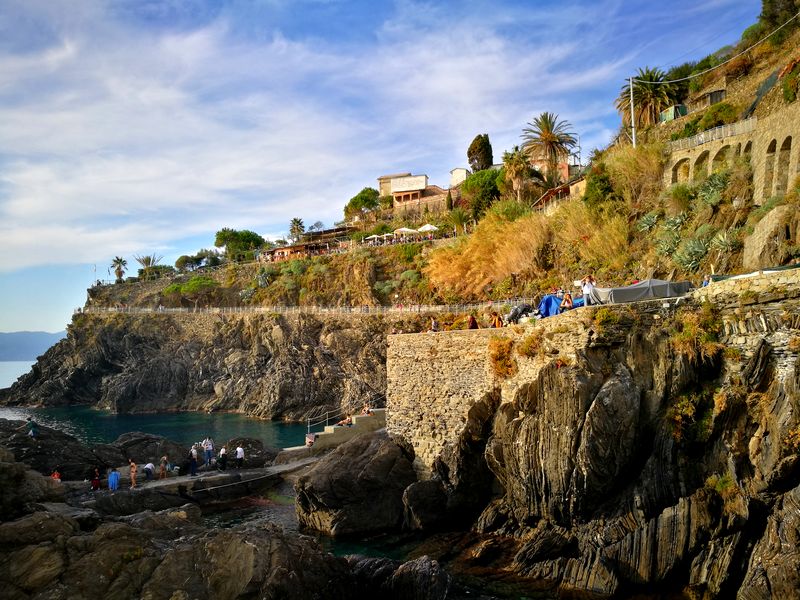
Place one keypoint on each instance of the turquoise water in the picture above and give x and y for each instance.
(98, 427)
(11, 370)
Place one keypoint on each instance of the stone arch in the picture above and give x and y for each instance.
(782, 167)
(748, 150)
(721, 159)
(680, 171)
(738, 152)
(701, 166)
(769, 169)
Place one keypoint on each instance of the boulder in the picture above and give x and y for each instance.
(767, 245)
(357, 488)
(20, 487)
(425, 504)
(256, 455)
(147, 447)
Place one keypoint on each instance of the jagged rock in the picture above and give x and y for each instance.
(760, 250)
(256, 455)
(36, 528)
(86, 518)
(357, 488)
(774, 568)
(268, 366)
(425, 504)
(147, 447)
(547, 541)
(169, 519)
(420, 579)
(20, 487)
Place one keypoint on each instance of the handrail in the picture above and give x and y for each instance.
(311, 310)
(329, 414)
(717, 133)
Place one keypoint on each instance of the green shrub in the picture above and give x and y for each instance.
(598, 187)
(759, 213)
(679, 197)
(726, 488)
(706, 231)
(690, 128)
(604, 318)
(690, 254)
(721, 113)
(296, 267)
(791, 84)
(675, 223)
(691, 416)
(410, 277)
(696, 333)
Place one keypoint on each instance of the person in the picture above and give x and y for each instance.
(133, 469)
(208, 446)
(55, 475)
(193, 461)
(566, 303)
(113, 480)
(472, 322)
(162, 471)
(587, 285)
(32, 427)
(239, 457)
(706, 281)
(223, 459)
(366, 410)
(434, 325)
(96, 480)
(346, 422)
(149, 469)
(496, 320)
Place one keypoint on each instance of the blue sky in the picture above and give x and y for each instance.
(139, 126)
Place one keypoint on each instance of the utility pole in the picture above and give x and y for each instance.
(633, 121)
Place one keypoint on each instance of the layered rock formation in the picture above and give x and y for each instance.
(615, 450)
(262, 365)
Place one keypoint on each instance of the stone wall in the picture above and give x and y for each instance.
(755, 288)
(436, 378)
(773, 147)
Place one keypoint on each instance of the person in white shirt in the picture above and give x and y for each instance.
(149, 469)
(239, 457)
(587, 285)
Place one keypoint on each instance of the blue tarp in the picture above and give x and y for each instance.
(549, 305)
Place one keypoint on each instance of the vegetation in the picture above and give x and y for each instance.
(119, 264)
(650, 97)
(728, 491)
(296, 229)
(696, 333)
(367, 200)
(532, 345)
(501, 357)
(239, 245)
(480, 190)
(548, 139)
(198, 288)
(148, 262)
(691, 416)
(479, 153)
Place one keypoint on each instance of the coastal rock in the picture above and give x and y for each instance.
(419, 579)
(147, 447)
(256, 455)
(357, 488)
(760, 250)
(425, 504)
(20, 487)
(269, 366)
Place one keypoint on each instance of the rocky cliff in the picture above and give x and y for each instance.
(611, 451)
(263, 365)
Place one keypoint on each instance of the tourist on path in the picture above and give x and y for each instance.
(496, 320)
(587, 285)
(149, 470)
(472, 322)
(223, 459)
(208, 446)
(239, 457)
(162, 472)
(113, 480)
(193, 461)
(133, 472)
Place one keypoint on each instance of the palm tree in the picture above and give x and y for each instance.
(296, 228)
(546, 138)
(650, 97)
(458, 217)
(119, 264)
(517, 169)
(148, 262)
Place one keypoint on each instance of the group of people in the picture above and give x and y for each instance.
(220, 460)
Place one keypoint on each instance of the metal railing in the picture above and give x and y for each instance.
(711, 135)
(314, 310)
(325, 418)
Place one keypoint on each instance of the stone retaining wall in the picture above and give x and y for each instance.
(759, 287)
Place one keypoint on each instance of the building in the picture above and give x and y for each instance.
(458, 176)
(385, 183)
(311, 243)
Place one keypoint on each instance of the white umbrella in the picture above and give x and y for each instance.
(387, 235)
(405, 230)
(372, 237)
(428, 227)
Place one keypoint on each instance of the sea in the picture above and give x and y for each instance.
(93, 426)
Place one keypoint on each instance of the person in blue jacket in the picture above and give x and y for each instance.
(113, 480)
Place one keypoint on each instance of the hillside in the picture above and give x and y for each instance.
(27, 345)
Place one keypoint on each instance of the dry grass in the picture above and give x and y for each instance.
(696, 334)
(636, 174)
(501, 357)
(532, 346)
(491, 254)
(596, 240)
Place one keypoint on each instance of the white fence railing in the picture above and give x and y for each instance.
(315, 310)
(718, 133)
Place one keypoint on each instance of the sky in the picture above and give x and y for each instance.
(144, 126)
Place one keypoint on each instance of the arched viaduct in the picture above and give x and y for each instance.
(772, 143)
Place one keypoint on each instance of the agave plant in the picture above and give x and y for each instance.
(727, 241)
(667, 243)
(648, 221)
(690, 254)
(675, 223)
(710, 191)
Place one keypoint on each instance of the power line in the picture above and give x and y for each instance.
(722, 64)
(674, 61)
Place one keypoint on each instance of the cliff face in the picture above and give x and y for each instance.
(612, 450)
(262, 365)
